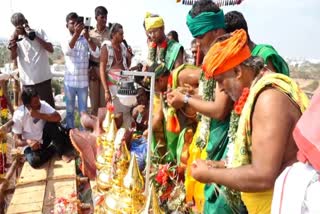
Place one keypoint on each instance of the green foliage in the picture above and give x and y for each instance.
(77, 119)
(57, 56)
(50, 61)
(4, 55)
(56, 84)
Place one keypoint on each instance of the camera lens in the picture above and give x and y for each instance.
(31, 33)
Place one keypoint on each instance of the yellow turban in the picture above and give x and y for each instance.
(226, 54)
(153, 22)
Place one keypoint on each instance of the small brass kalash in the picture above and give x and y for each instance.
(105, 151)
(121, 183)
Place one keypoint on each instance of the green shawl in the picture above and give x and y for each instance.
(267, 52)
(172, 53)
(217, 150)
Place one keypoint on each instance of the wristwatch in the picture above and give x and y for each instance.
(186, 98)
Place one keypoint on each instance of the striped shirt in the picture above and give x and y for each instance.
(77, 62)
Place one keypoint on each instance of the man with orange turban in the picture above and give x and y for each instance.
(261, 144)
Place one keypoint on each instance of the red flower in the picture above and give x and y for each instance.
(62, 201)
(238, 109)
(165, 196)
(163, 174)
(235, 104)
(153, 44)
(3, 103)
(246, 92)
(204, 68)
(170, 81)
(110, 107)
(161, 178)
(74, 194)
(164, 44)
(239, 104)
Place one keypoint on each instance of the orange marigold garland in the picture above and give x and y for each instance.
(157, 56)
(234, 197)
(238, 105)
(234, 120)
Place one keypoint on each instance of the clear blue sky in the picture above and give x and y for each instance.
(291, 26)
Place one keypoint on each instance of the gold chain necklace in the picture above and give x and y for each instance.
(115, 50)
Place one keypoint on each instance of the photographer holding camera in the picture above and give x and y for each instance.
(76, 48)
(30, 47)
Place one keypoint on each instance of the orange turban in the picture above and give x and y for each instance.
(226, 54)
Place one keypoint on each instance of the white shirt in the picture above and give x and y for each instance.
(77, 62)
(33, 60)
(29, 127)
(297, 190)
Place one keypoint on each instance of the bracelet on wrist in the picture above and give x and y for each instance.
(186, 98)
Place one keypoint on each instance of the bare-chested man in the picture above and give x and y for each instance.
(268, 105)
(114, 58)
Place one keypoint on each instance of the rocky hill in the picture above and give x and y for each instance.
(306, 72)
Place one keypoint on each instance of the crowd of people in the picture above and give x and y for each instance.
(228, 120)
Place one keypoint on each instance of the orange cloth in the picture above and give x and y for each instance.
(226, 54)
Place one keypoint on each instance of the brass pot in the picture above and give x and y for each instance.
(103, 181)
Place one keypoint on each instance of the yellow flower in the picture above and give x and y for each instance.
(3, 138)
(3, 147)
(4, 113)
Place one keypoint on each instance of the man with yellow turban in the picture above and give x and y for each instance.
(170, 54)
(261, 143)
(161, 50)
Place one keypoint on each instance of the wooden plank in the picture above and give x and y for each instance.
(30, 190)
(30, 175)
(28, 198)
(56, 189)
(37, 189)
(60, 169)
(61, 182)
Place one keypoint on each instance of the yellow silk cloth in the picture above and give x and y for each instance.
(258, 202)
(195, 189)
